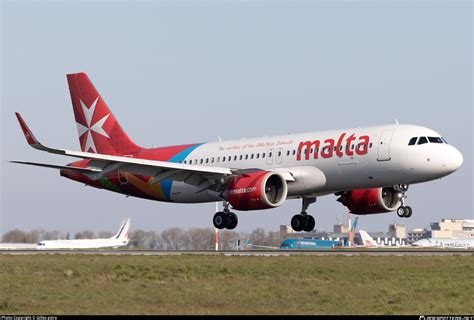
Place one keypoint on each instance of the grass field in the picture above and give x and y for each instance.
(200, 284)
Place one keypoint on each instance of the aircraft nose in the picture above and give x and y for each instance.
(453, 160)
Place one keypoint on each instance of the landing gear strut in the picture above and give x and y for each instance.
(403, 211)
(304, 221)
(225, 219)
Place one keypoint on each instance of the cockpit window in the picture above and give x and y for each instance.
(412, 141)
(435, 140)
(422, 140)
(444, 140)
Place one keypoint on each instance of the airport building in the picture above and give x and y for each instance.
(453, 228)
(417, 234)
(397, 234)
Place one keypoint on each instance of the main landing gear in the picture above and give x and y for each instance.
(225, 219)
(304, 221)
(403, 211)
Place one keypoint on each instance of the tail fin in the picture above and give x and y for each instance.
(122, 234)
(367, 240)
(98, 129)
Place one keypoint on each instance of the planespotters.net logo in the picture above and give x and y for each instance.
(446, 317)
(242, 190)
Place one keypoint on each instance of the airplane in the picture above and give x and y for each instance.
(445, 243)
(303, 244)
(120, 239)
(369, 242)
(369, 169)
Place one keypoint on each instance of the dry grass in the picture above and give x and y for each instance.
(190, 284)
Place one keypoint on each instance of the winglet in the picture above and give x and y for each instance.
(30, 138)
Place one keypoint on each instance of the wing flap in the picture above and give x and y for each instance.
(53, 166)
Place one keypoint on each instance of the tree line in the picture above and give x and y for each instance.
(169, 239)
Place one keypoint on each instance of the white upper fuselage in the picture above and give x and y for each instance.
(82, 244)
(389, 159)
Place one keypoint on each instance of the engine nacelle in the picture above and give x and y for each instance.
(256, 190)
(370, 201)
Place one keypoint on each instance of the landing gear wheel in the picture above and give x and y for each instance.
(233, 221)
(408, 212)
(310, 223)
(404, 212)
(401, 211)
(221, 220)
(298, 222)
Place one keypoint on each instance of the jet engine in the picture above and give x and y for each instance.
(370, 201)
(256, 190)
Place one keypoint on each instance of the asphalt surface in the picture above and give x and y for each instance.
(343, 252)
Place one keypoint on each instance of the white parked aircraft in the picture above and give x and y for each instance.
(445, 243)
(119, 240)
(368, 168)
(369, 242)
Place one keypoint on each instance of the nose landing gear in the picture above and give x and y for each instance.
(403, 211)
(304, 221)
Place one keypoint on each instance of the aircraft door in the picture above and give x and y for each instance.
(279, 156)
(383, 153)
(270, 156)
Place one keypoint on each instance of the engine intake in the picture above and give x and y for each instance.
(256, 190)
(370, 201)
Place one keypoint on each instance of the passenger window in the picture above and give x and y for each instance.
(240, 157)
(246, 156)
(279, 153)
(218, 159)
(412, 141)
(235, 158)
(258, 155)
(223, 159)
(311, 150)
(195, 161)
(263, 155)
(370, 145)
(207, 160)
(270, 154)
(435, 140)
(288, 153)
(422, 140)
(294, 152)
(212, 160)
(230, 158)
(202, 160)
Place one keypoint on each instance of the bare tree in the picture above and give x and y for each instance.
(200, 239)
(14, 236)
(137, 239)
(174, 239)
(53, 235)
(104, 234)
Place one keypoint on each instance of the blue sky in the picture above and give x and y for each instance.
(183, 72)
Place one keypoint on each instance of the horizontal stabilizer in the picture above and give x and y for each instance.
(53, 166)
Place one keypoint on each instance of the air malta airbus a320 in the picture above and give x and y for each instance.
(369, 169)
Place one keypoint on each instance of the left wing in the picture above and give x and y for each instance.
(203, 177)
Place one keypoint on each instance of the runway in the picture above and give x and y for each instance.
(340, 252)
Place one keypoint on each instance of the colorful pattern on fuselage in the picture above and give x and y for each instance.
(133, 184)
